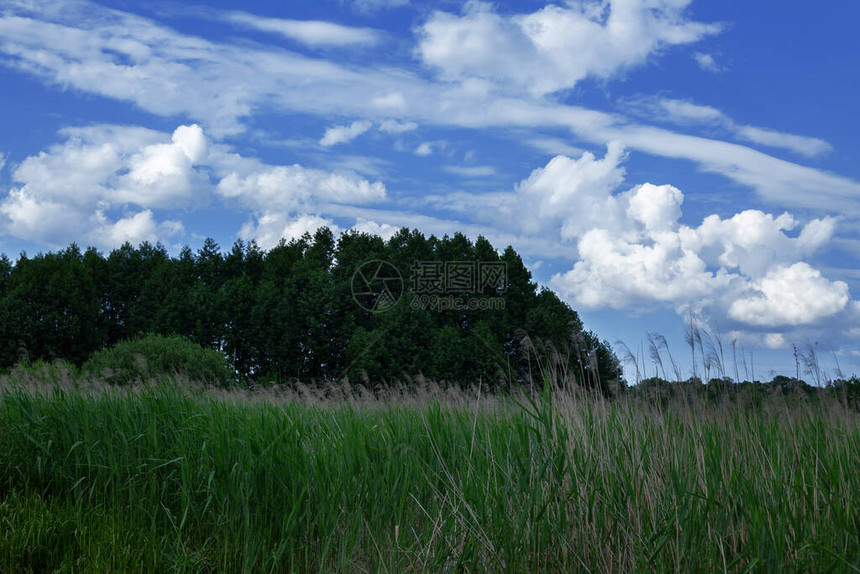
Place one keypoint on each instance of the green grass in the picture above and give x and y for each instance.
(163, 478)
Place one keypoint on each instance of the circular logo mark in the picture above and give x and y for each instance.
(377, 286)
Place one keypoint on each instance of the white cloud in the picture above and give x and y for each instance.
(110, 184)
(344, 134)
(633, 251)
(685, 112)
(287, 201)
(774, 341)
(707, 62)
(555, 47)
(395, 127)
(618, 273)
(751, 241)
(313, 33)
(803, 145)
(63, 194)
(2, 161)
(794, 295)
(93, 49)
(369, 6)
(296, 188)
(395, 102)
(163, 175)
(134, 229)
(383, 230)
(554, 146)
(429, 148)
(269, 229)
(424, 149)
(571, 194)
(471, 171)
(43, 220)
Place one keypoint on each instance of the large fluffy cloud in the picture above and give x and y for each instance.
(269, 229)
(291, 188)
(101, 184)
(633, 250)
(573, 194)
(793, 295)
(105, 185)
(287, 201)
(556, 46)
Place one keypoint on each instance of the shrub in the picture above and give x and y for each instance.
(155, 355)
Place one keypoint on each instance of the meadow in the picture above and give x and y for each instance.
(169, 476)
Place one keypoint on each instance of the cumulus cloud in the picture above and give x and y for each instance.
(287, 201)
(794, 295)
(632, 249)
(313, 33)
(707, 62)
(66, 192)
(425, 149)
(135, 229)
(27, 216)
(395, 102)
(105, 185)
(383, 230)
(618, 273)
(269, 229)
(395, 127)
(556, 47)
(163, 175)
(774, 340)
(750, 241)
(293, 188)
(572, 194)
(344, 134)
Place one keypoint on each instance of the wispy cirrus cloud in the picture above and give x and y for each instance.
(126, 57)
(686, 112)
(312, 33)
(471, 171)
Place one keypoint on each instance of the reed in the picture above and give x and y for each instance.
(165, 476)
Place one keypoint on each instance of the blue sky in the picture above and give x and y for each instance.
(648, 158)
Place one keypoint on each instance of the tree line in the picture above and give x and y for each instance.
(295, 313)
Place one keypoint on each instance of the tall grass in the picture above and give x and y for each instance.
(163, 478)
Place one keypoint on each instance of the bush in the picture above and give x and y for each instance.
(155, 355)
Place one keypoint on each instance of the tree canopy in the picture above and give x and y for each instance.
(460, 311)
